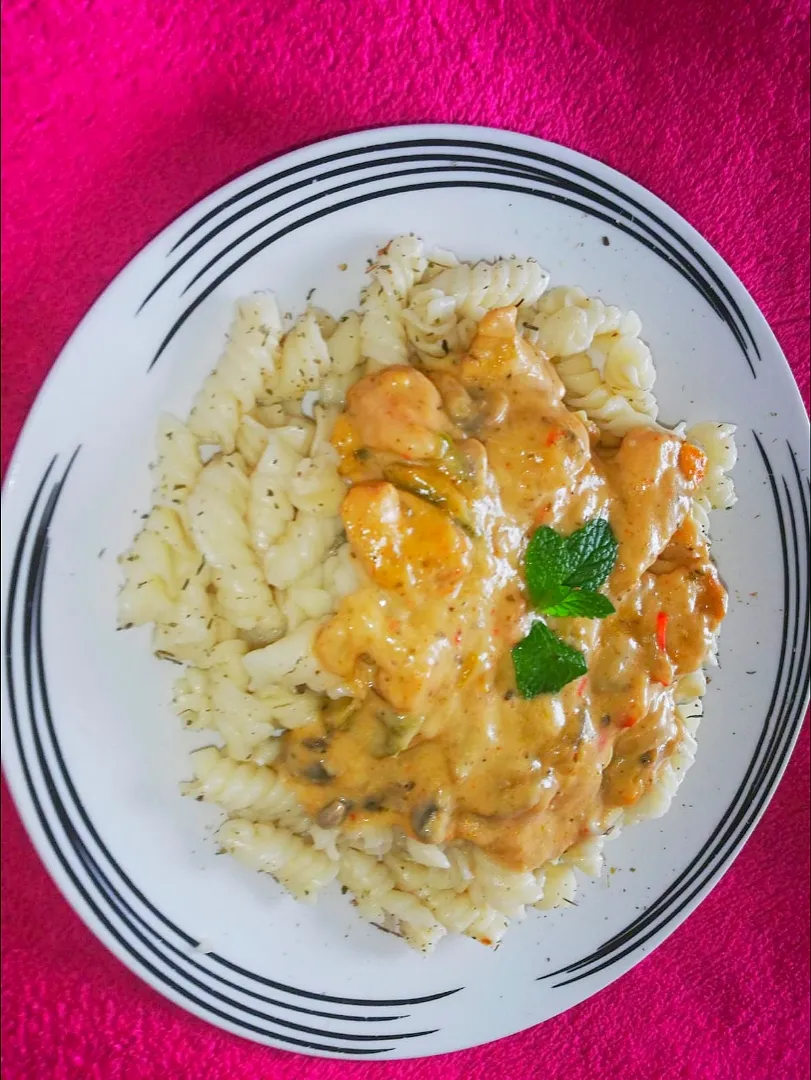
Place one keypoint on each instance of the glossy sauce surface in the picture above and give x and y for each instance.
(451, 471)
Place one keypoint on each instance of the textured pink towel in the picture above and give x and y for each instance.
(121, 113)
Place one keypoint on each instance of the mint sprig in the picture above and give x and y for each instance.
(592, 552)
(544, 664)
(563, 602)
(563, 574)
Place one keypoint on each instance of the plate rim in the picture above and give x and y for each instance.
(377, 138)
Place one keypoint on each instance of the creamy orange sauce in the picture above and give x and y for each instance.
(451, 471)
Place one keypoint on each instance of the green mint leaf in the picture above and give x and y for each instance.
(591, 553)
(544, 664)
(564, 602)
(546, 563)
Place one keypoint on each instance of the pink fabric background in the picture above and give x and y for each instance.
(121, 113)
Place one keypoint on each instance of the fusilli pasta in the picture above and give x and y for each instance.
(232, 388)
(294, 862)
(217, 514)
(242, 557)
(253, 792)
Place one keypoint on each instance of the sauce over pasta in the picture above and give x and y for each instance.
(450, 473)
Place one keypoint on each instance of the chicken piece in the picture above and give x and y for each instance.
(404, 543)
(498, 351)
(398, 410)
(655, 475)
(376, 641)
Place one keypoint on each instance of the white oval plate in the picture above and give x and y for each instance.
(91, 748)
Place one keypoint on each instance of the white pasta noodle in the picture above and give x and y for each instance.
(437, 260)
(427, 854)
(270, 510)
(305, 359)
(224, 704)
(559, 886)
(294, 862)
(267, 751)
(315, 486)
(371, 838)
(463, 914)
(249, 359)
(290, 662)
(377, 897)
(191, 630)
(383, 339)
(304, 544)
(586, 391)
(243, 789)
(345, 357)
(155, 567)
(242, 558)
(399, 266)
(220, 698)
(586, 856)
(568, 327)
(317, 593)
(165, 582)
(291, 708)
(442, 312)
(300, 603)
(340, 573)
(508, 891)
(606, 369)
(326, 323)
(716, 491)
(251, 440)
(344, 345)
(433, 327)
(335, 386)
(478, 289)
(217, 515)
(269, 413)
(178, 463)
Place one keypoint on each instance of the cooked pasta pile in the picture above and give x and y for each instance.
(243, 556)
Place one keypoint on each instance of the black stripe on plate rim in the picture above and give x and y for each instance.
(757, 784)
(776, 752)
(33, 658)
(462, 163)
(191, 941)
(669, 254)
(492, 147)
(585, 208)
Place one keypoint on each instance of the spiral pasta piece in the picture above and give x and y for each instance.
(399, 265)
(269, 509)
(304, 359)
(445, 895)
(232, 388)
(477, 289)
(716, 491)
(253, 792)
(293, 861)
(433, 326)
(304, 544)
(383, 339)
(376, 897)
(217, 515)
(291, 662)
(158, 568)
(586, 390)
(559, 886)
(178, 463)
